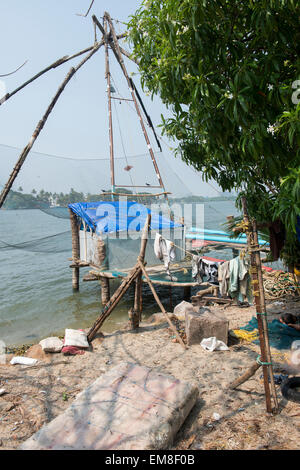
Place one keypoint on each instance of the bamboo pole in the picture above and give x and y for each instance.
(137, 308)
(265, 358)
(111, 140)
(55, 64)
(105, 290)
(263, 315)
(75, 249)
(41, 124)
(116, 50)
(138, 300)
(123, 288)
(114, 300)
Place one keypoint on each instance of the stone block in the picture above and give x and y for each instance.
(130, 407)
(205, 324)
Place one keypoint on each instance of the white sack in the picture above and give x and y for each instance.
(76, 338)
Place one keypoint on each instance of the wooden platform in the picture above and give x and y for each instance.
(157, 270)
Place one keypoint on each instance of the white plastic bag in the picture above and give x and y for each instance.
(213, 344)
(27, 361)
(76, 338)
(52, 344)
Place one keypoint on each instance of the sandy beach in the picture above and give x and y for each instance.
(37, 394)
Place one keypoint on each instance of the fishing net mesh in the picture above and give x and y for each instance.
(49, 183)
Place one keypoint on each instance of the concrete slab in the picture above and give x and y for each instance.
(130, 407)
(205, 324)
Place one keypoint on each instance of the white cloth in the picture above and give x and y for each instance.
(164, 250)
(213, 344)
(27, 361)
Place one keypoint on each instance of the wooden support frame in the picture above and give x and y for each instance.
(118, 54)
(258, 291)
(136, 272)
(75, 250)
(41, 124)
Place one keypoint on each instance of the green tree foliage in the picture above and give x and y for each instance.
(227, 70)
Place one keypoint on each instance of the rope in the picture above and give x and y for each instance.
(123, 147)
(262, 363)
(279, 284)
(246, 335)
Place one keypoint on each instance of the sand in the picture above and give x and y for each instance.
(221, 419)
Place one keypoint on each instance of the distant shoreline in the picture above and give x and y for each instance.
(18, 200)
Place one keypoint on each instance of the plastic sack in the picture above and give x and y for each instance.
(76, 338)
(27, 361)
(213, 344)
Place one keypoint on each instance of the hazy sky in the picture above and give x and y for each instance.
(43, 31)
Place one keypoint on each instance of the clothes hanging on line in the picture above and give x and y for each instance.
(165, 251)
(204, 268)
(234, 279)
(223, 277)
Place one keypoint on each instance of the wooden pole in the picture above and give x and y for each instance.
(114, 300)
(136, 312)
(246, 376)
(123, 288)
(116, 50)
(138, 300)
(111, 141)
(187, 293)
(105, 290)
(265, 358)
(75, 249)
(55, 64)
(41, 124)
(263, 313)
(102, 262)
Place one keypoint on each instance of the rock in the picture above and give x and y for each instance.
(205, 324)
(52, 344)
(36, 352)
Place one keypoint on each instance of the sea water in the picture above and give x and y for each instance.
(36, 296)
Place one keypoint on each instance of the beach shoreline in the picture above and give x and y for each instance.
(37, 394)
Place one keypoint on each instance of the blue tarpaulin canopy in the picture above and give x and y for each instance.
(117, 216)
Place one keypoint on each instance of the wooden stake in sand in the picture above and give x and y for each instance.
(258, 291)
(75, 249)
